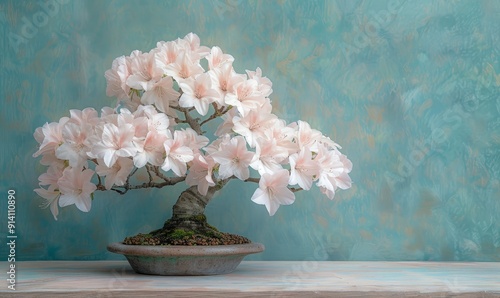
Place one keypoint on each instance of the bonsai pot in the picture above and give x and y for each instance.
(185, 260)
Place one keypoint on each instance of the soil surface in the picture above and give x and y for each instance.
(190, 240)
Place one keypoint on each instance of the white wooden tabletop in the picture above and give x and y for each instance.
(259, 279)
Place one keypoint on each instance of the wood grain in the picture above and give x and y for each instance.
(262, 279)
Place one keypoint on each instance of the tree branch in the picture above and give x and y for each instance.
(256, 180)
(217, 113)
(127, 186)
(193, 122)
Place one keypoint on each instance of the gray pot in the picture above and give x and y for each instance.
(185, 260)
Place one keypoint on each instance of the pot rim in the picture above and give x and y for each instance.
(185, 250)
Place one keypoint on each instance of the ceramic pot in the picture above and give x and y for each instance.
(185, 260)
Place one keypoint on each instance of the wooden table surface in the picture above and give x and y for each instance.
(260, 279)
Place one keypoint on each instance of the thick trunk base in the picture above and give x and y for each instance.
(186, 231)
(188, 225)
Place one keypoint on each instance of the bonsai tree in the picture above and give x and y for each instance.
(166, 99)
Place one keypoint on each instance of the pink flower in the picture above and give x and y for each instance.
(284, 136)
(87, 116)
(76, 188)
(166, 53)
(140, 124)
(159, 123)
(107, 112)
(234, 159)
(49, 136)
(52, 193)
(115, 142)
(302, 169)
(264, 85)
(117, 79)
(51, 177)
(76, 144)
(254, 124)
(117, 174)
(200, 173)
(227, 126)
(50, 159)
(217, 58)
(307, 137)
(192, 139)
(268, 156)
(333, 171)
(215, 146)
(194, 45)
(51, 197)
(245, 96)
(273, 191)
(161, 94)
(198, 93)
(329, 143)
(224, 78)
(131, 103)
(177, 155)
(346, 162)
(183, 68)
(151, 150)
(144, 71)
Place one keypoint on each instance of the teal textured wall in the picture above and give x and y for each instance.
(410, 89)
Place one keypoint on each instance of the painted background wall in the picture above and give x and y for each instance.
(410, 89)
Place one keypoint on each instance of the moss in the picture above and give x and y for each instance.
(193, 230)
(201, 218)
(212, 227)
(180, 234)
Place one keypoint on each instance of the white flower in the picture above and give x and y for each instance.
(216, 58)
(200, 173)
(115, 142)
(273, 191)
(308, 137)
(117, 78)
(117, 174)
(254, 124)
(264, 85)
(144, 71)
(198, 93)
(76, 144)
(76, 188)
(245, 96)
(162, 94)
(151, 150)
(234, 159)
(302, 168)
(268, 156)
(183, 68)
(224, 78)
(177, 155)
(192, 139)
(49, 136)
(333, 171)
(51, 199)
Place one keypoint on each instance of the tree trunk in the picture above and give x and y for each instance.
(188, 213)
(188, 225)
(191, 203)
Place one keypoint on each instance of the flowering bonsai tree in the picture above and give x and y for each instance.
(166, 99)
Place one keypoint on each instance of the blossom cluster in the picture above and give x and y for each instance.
(152, 126)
